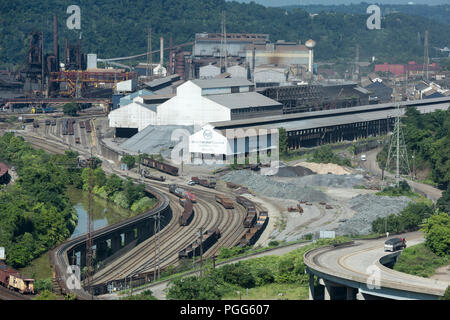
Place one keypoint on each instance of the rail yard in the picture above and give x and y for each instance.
(228, 147)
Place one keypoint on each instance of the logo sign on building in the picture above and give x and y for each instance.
(74, 20)
(208, 141)
(324, 234)
(2, 253)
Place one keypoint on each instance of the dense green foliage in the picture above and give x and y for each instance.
(324, 154)
(128, 160)
(113, 29)
(419, 260)
(35, 213)
(124, 193)
(70, 109)
(409, 219)
(436, 12)
(437, 234)
(447, 294)
(427, 137)
(253, 273)
(403, 189)
(282, 141)
(146, 295)
(443, 203)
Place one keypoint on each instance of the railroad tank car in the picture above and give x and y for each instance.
(180, 192)
(226, 202)
(11, 279)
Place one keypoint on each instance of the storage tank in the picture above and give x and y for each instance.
(92, 61)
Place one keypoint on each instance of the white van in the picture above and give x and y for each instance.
(363, 157)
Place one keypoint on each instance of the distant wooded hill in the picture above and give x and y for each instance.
(119, 28)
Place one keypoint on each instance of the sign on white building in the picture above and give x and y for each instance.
(208, 141)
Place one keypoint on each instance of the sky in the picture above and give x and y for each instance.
(277, 3)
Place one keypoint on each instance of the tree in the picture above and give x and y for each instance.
(194, 288)
(446, 295)
(443, 203)
(128, 160)
(437, 234)
(113, 184)
(283, 141)
(70, 109)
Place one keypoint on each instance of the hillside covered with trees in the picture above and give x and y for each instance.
(119, 28)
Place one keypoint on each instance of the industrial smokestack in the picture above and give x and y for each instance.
(162, 52)
(171, 56)
(55, 40)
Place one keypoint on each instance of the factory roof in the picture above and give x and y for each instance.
(314, 123)
(243, 100)
(151, 107)
(326, 113)
(222, 83)
(161, 81)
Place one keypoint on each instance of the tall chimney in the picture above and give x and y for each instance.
(310, 60)
(171, 56)
(162, 51)
(55, 40)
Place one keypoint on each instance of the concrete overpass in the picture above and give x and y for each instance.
(360, 271)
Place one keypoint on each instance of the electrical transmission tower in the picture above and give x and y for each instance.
(397, 149)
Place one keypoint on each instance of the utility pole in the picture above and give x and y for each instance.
(200, 237)
(89, 242)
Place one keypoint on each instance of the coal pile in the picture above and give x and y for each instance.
(294, 172)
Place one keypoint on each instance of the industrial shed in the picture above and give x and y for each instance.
(132, 118)
(202, 101)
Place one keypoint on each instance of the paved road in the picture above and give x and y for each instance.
(356, 263)
(371, 165)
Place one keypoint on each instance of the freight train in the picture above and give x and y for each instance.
(226, 202)
(187, 214)
(11, 279)
(254, 233)
(251, 215)
(82, 125)
(180, 192)
(160, 166)
(209, 183)
(209, 237)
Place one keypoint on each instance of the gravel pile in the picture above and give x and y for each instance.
(269, 187)
(331, 180)
(370, 207)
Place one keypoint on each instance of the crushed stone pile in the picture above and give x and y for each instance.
(370, 207)
(267, 186)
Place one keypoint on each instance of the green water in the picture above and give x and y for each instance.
(105, 213)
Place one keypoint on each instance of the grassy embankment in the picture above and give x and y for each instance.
(419, 260)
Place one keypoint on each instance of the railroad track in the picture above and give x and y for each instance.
(207, 214)
(6, 294)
